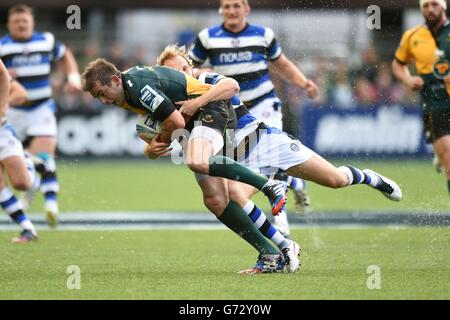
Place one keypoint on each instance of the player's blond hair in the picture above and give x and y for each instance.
(172, 51)
(98, 70)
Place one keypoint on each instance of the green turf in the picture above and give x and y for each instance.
(414, 264)
(148, 185)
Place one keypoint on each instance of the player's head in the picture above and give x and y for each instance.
(433, 11)
(20, 22)
(177, 58)
(103, 80)
(234, 13)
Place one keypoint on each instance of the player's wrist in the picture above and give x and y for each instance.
(74, 78)
(149, 155)
(306, 84)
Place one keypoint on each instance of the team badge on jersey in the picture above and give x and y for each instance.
(207, 118)
(150, 98)
(295, 147)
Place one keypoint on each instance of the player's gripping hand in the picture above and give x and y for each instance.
(312, 91)
(189, 107)
(414, 83)
(155, 149)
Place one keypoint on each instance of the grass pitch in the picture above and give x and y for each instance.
(414, 263)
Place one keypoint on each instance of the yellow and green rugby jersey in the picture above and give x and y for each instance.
(431, 55)
(154, 90)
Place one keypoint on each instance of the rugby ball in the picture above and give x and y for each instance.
(147, 127)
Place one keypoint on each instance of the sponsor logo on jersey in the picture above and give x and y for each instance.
(130, 83)
(150, 98)
(24, 60)
(233, 57)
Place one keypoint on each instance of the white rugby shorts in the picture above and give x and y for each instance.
(274, 152)
(40, 121)
(10, 146)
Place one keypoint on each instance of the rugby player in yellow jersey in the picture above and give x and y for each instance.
(428, 46)
(154, 90)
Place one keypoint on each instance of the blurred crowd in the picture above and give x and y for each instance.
(369, 83)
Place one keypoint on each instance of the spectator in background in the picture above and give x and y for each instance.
(340, 93)
(370, 64)
(90, 52)
(138, 56)
(365, 92)
(321, 77)
(116, 56)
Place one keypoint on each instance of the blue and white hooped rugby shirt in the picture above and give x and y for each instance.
(31, 62)
(243, 56)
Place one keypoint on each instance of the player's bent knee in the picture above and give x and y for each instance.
(337, 182)
(238, 197)
(21, 184)
(216, 204)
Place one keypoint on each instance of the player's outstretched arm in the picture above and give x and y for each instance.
(71, 68)
(289, 72)
(4, 88)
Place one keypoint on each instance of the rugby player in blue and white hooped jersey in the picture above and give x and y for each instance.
(28, 56)
(13, 165)
(245, 52)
